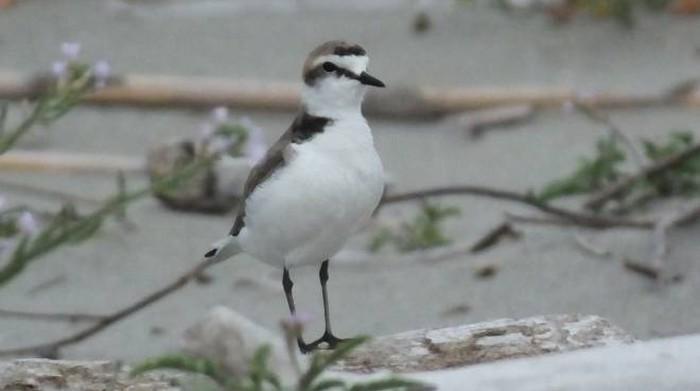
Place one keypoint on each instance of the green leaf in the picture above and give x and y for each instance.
(17, 262)
(329, 384)
(259, 374)
(423, 231)
(182, 363)
(590, 175)
(380, 239)
(321, 360)
(3, 116)
(392, 384)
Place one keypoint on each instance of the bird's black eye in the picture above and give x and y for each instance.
(329, 66)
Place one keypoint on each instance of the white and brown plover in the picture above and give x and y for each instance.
(319, 182)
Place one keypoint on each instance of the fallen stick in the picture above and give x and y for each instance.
(205, 92)
(53, 349)
(70, 162)
(477, 122)
(578, 218)
(635, 150)
(51, 316)
(229, 338)
(668, 364)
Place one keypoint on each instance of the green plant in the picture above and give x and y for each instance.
(260, 377)
(594, 174)
(684, 179)
(423, 231)
(71, 80)
(623, 11)
(591, 173)
(67, 227)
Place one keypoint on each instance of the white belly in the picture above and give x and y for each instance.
(307, 210)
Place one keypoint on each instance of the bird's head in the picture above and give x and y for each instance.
(335, 78)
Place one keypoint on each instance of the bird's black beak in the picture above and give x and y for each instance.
(366, 78)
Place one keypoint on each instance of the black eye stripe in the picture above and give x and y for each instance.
(329, 66)
(318, 72)
(340, 71)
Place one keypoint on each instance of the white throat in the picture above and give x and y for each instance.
(335, 97)
(333, 101)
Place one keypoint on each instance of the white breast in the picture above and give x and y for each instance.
(306, 211)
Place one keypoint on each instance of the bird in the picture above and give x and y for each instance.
(318, 183)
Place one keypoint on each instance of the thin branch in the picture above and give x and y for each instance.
(578, 218)
(52, 316)
(624, 184)
(641, 269)
(493, 236)
(538, 220)
(477, 122)
(604, 119)
(23, 187)
(51, 349)
(662, 228)
(9, 139)
(164, 90)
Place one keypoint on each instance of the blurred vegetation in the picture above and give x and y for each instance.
(590, 175)
(260, 377)
(594, 174)
(68, 227)
(623, 11)
(422, 232)
(60, 97)
(70, 83)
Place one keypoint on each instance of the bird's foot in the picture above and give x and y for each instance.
(327, 341)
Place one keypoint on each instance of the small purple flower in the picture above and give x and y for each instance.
(27, 224)
(102, 71)
(71, 50)
(295, 323)
(220, 115)
(255, 147)
(59, 69)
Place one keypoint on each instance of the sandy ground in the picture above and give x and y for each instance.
(545, 272)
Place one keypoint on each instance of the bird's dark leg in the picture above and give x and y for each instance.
(328, 336)
(287, 284)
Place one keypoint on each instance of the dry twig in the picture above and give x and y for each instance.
(624, 184)
(52, 316)
(162, 90)
(578, 218)
(479, 121)
(602, 118)
(494, 236)
(52, 349)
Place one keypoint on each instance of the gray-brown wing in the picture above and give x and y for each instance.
(304, 128)
(272, 161)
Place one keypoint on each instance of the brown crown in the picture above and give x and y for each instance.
(339, 48)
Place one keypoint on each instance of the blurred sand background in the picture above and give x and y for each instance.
(543, 273)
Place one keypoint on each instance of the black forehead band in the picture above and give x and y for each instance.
(349, 51)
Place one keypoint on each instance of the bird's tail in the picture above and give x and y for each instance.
(224, 249)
